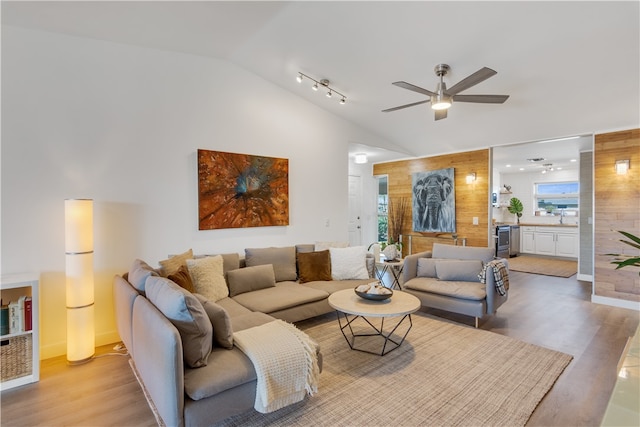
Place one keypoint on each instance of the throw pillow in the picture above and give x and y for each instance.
(183, 279)
(282, 259)
(323, 246)
(349, 263)
(221, 322)
(249, 279)
(426, 267)
(138, 274)
(186, 313)
(460, 270)
(314, 266)
(208, 278)
(173, 263)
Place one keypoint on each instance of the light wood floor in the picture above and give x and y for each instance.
(547, 311)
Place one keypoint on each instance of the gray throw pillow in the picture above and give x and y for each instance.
(458, 270)
(138, 274)
(426, 267)
(186, 313)
(221, 322)
(249, 279)
(282, 259)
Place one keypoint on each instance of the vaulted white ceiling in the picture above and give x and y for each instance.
(570, 68)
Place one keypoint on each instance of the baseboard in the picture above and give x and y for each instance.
(60, 348)
(615, 302)
(585, 277)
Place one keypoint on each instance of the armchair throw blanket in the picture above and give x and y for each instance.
(500, 274)
(285, 361)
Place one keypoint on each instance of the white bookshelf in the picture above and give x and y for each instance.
(13, 286)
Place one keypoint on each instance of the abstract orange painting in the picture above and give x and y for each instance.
(241, 190)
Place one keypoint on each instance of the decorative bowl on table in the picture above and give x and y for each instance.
(373, 291)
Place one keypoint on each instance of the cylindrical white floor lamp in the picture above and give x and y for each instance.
(78, 214)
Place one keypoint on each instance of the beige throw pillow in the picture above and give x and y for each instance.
(173, 263)
(208, 277)
(349, 263)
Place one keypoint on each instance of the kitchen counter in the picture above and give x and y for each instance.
(531, 224)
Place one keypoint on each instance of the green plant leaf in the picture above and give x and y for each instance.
(515, 206)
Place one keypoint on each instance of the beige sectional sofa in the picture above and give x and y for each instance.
(446, 278)
(166, 327)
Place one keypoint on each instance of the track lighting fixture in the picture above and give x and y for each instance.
(325, 84)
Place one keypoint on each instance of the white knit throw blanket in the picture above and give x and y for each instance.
(285, 361)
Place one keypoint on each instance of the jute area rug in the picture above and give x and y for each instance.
(541, 265)
(442, 375)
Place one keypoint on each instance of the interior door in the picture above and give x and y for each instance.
(354, 225)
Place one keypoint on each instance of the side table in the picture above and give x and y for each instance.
(394, 268)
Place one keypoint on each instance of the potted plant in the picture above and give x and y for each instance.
(393, 247)
(630, 260)
(515, 207)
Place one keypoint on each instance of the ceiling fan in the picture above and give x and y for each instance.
(442, 98)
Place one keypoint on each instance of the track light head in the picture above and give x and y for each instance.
(343, 101)
(315, 87)
(329, 94)
(299, 78)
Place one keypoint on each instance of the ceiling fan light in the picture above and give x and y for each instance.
(440, 102)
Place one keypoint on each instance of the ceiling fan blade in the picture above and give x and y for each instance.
(486, 99)
(405, 106)
(414, 88)
(441, 114)
(472, 80)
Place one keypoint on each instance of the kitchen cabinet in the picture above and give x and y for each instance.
(551, 241)
(527, 243)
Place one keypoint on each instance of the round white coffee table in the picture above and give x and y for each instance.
(401, 304)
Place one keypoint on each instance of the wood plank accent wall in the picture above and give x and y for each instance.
(472, 200)
(617, 207)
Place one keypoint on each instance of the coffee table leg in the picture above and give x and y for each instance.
(378, 332)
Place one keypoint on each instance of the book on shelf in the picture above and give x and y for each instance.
(28, 314)
(20, 315)
(4, 319)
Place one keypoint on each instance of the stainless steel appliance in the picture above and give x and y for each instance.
(514, 241)
(502, 241)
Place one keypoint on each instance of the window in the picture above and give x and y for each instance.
(383, 209)
(557, 198)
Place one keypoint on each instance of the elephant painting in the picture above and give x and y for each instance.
(434, 208)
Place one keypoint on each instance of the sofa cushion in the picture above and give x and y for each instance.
(186, 313)
(182, 278)
(349, 263)
(249, 320)
(225, 370)
(138, 274)
(233, 307)
(284, 295)
(440, 250)
(314, 266)
(475, 291)
(220, 321)
(208, 278)
(282, 259)
(336, 285)
(426, 267)
(251, 279)
(172, 264)
(460, 270)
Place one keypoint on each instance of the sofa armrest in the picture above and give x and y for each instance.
(410, 267)
(158, 361)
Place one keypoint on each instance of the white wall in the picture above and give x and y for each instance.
(122, 124)
(522, 187)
